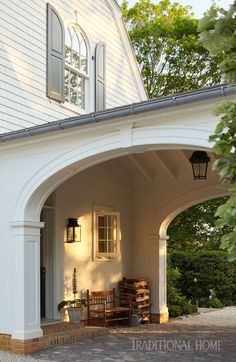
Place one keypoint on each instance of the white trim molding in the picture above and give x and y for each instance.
(128, 48)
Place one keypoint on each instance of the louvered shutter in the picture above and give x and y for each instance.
(100, 75)
(55, 54)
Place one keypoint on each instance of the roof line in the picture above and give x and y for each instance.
(180, 99)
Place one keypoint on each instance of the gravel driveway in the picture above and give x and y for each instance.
(210, 316)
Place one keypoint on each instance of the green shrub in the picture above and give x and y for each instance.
(212, 270)
(177, 303)
(183, 308)
(228, 303)
(174, 310)
(213, 303)
(188, 308)
(203, 302)
(216, 303)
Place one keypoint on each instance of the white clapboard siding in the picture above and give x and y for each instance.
(23, 100)
(21, 27)
(19, 63)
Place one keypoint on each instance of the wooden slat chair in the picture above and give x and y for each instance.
(102, 308)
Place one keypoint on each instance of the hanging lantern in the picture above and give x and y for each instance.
(73, 231)
(199, 161)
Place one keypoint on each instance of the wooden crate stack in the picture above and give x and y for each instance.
(136, 291)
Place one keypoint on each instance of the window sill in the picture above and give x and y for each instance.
(106, 258)
(73, 108)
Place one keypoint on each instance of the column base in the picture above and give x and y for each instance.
(26, 346)
(160, 318)
(29, 334)
(7, 343)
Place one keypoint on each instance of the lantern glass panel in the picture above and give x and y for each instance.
(73, 231)
(199, 170)
(70, 234)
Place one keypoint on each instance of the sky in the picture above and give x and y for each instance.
(199, 6)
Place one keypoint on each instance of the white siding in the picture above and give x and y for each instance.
(23, 101)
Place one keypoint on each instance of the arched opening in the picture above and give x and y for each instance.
(187, 201)
(76, 197)
(141, 174)
(194, 228)
(166, 215)
(203, 276)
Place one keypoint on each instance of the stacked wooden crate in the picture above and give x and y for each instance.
(136, 292)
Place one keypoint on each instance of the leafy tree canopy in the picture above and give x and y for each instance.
(172, 59)
(194, 229)
(168, 50)
(218, 29)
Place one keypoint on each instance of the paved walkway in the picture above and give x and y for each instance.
(173, 342)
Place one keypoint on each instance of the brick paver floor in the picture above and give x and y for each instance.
(172, 342)
(169, 343)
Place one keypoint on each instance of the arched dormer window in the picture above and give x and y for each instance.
(76, 67)
(68, 66)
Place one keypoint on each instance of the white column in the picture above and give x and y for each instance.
(26, 280)
(163, 310)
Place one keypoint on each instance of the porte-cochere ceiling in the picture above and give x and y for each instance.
(158, 166)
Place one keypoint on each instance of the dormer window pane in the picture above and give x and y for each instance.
(76, 67)
(68, 46)
(84, 64)
(83, 48)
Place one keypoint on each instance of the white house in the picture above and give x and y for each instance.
(79, 139)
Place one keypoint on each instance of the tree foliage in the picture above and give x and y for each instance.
(218, 29)
(178, 304)
(173, 59)
(168, 50)
(212, 272)
(194, 229)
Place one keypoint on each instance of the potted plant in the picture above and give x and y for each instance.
(76, 306)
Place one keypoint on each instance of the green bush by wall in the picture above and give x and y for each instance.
(177, 303)
(213, 272)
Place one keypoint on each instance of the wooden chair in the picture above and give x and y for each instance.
(102, 308)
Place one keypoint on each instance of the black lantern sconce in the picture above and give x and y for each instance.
(199, 161)
(73, 231)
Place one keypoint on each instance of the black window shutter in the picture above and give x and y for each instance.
(55, 54)
(100, 77)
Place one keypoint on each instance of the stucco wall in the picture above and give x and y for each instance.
(143, 210)
(76, 198)
(154, 207)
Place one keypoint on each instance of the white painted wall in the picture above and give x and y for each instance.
(143, 210)
(76, 198)
(23, 101)
(154, 207)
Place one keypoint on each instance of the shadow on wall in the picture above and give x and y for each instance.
(92, 276)
(26, 104)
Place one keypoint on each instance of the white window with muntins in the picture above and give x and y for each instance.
(106, 234)
(69, 66)
(76, 67)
